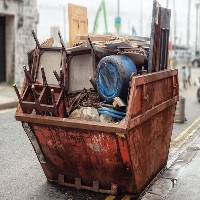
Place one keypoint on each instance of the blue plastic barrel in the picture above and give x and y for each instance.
(113, 76)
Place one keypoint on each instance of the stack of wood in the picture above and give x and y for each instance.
(135, 47)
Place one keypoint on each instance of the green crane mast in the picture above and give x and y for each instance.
(101, 7)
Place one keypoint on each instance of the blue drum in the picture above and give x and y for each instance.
(113, 76)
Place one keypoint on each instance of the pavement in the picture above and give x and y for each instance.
(181, 181)
(182, 177)
(8, 97)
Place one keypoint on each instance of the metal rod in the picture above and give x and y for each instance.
(93, 55)
(56, 75)
(54, 103)
(61, 40)
(93, 83)
(61, 76)
(28, 75)
(36, 100)
(90, 42)
(43, 76)
(53, 97)
(17, 92)
(35, 38)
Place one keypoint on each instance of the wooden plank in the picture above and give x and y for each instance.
(164, 38)
(80, 70)
(93, 37)
(78, 22)
(153, 43)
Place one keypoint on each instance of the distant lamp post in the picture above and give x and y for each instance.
(188, 24)
(141, 18)
(197, 15)
(118, 19)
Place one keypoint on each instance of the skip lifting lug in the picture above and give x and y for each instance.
(146, 98)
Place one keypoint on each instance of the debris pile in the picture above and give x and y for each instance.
(89, 81)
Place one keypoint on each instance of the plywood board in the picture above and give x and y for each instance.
(79, 72)
(78, 22)
(50, 60)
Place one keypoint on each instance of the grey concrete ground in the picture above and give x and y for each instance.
(21, 176)
(188, 184)
(181, 181)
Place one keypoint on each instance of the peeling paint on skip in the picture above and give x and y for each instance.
(96, 142)
(135, 93)
(99, 138)
(95, 147)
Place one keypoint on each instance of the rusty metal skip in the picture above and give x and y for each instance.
(119, 157)
(105, 157)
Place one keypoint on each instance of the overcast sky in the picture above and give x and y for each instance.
(51, 13)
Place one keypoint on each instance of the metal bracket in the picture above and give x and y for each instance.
(94, 188)
(34, 142)
(123, 147)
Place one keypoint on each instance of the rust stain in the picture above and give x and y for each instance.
(95, 147)
(98, 142)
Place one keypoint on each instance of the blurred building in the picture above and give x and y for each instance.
(179, 55)
(17, 19)
(54, 33)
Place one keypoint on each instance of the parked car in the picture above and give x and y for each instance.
(196, 62)
(198, 94)
(197, 82)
